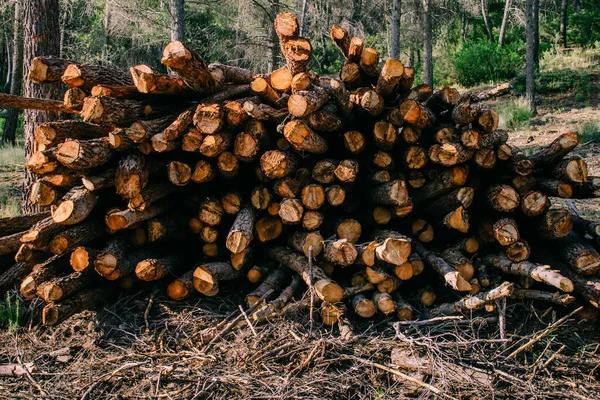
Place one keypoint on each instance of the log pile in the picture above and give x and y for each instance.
(377, 195)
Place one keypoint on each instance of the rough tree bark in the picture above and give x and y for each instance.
(396, 12)
(16, 79)
(427, 43)
(177, 20)
(486, 21)
(502, 34)
(41, 38)
(530, 56)
(564, 9)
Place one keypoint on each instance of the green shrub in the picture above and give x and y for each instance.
(10, 312)
(484, 62)
(589, 132)
(514, 114)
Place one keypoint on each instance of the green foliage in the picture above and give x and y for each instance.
(589, 132)
(514, 114)
(559, 81)
(584, 26)
(11, 312)
(484, 62)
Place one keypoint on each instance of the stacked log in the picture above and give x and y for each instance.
(348, 187)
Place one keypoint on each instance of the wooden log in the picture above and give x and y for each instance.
(341, 38)
(260, 197)
(101, 181)
(534, 203)
(449, 154)
(21, 223)
(313, 196)
(518, 251)
(190, 66)
(141, 131)
(346, 171)
(537, 272)
(47, 69)
(203, 172)
(373, 103)
(451, 276)
(84, 154)
(111, 257)
(340, 252)
(312, 220)
(538, 295)
(119, 140)
(443, 100)
(153, 269)
(578, 254)
(241, 233)
(369, 62)
(211, 212)
(106, 110)
(385, 135)
(324, 171)
(64, 287)
(73, 99)
(354, 141)
(29, 103)
(206, 276)
(555, 188)
(589, 189)
(132, 174)
(392, 193)
(44, 194)
(151, 194)
(276, 164)
(457, 220)
(213, 145)
(487, 120)
(290, 211)
(43, 162)
(229, 74)
(261, 87)
(363, 307)
(11, 243)
(414, 113)
(309, 243)
(75, 206)
(182, 287)
(78, 235)
(393, 247)
(586, 227)
(121, 219)
(268, 228)
(444, 182)
(384, 302)
(422, 230)
(466, 112)
(506, 231)
(556, 151)
(82, 258)
(54, 313)
(478, 301)
(341, 97)
(116, 91)
(13, 275)
(297, 52)
(460, 263)
(86, 76)
(274, 282)
(555, 224)
(503, 198)
(449, 202)
(325, 120)
(40, 273)
(382, 215)
(349, 229)
(41, 232)
(305, 102)
(389, 79)
(302, 138)
(573, 169)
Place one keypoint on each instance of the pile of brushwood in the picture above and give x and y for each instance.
(347, 189)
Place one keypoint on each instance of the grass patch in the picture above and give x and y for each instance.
(11, 157)
(11, 167)
(514, 114)
(577, 58)
(11, 312)
(589, 132)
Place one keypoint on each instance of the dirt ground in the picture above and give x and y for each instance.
(141, 345)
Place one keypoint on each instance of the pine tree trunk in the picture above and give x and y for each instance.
(16, 78)
(486, 21)
(427, 43)
(507, 7)
(564, 10)
(177, 20)
(530, 56)
(41, 38)
(396, 12)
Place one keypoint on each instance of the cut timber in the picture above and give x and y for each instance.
(82, 258)
(556, 151)
(534, 203)
(341, 96)
(116, 91)
(211, 212)
(415, 157)
(363, 307)
(161, 145)
(179, 125)
(41, 273)
(42, 162)
(290, 211)
(274, 282)
(355, 49)
(443, 100)
(384, 302)
(181, 287)
(63, 287)
(422, 230)
(209, 118)
(179, 173)
(223, 74)
(141, 131)
(44, 194)
(394, 248)
(449, 202)
(84, 154)
(241, 233)
(349, 229)
(354, 141)
(346, 171)
(117, 220)
(573, 169)
(299, 81)
(276, 164)
(75, 206)
(445, 182)
(112, 257)
(385, 135)
(555, 188)
(261, 197)
(76, 236)
(578, 254)
(503, 198)
(414, 113)
(190, 66)
(313, 196)
(150, 194)
(449, 154)
(86, 76)
(369, 62)
(103, 180)
(555, 224)
(106, 110)
(73, 99)
(404, 311)
(268, 228)
(506, 231)
(324, 171)
(309, 243)
(260, 87)
(302, 138)
(28, 103)
(518, 251)
(54, 313)
(13, 275)
(478, 301)
(457, 220)
(556, 298)
(340, 252)
(207, 276)
(325, 288)
(373, 103)
(305, 102)
(213, 145)
(10, 244)
(466, 112)
(153, 269)
(297, 53)
(451, 276)
(312, 220)
(132, 174)
(459, 262)
(46, 69)
(487, 121)
(40, 233)
(325, 120)
(119, 140)
(341, 38)
(537, 272)
(350, 75)
(281, 80)
(389, 78)
(264, 112)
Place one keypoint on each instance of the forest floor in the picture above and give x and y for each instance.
(142, 345)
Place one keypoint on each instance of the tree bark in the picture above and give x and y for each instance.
(530, 55)
(177, 20)
(507, 6)
(16, 76)
(564, 13)
(395, 29)
(488, 27)
(427, 43)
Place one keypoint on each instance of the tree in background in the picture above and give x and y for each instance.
(530, 55)
(16, 75)
(42, 38)
(177, 20)
(427, 43)
(395, 29)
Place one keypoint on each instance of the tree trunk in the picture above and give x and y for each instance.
(564, 9)
(16, 78)
(41, 38)
(396, 12)
(507, 7)
(427, 43)
(177, 20)
(530, 56)
(106, 27)
(486, 21)
(536, 27)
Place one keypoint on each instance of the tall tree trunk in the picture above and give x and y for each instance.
(177, 20)
(536, 27)
(41, 38)
(356, 10)
(106, 27)
(427, 44)
(16, 80)
(273, 46)
(396, 11)
(9, 63)
(486, 21)
(507, 7)
(464, 23)
(410, 58)
(530, 56)
(303, 17)
(564, 9)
